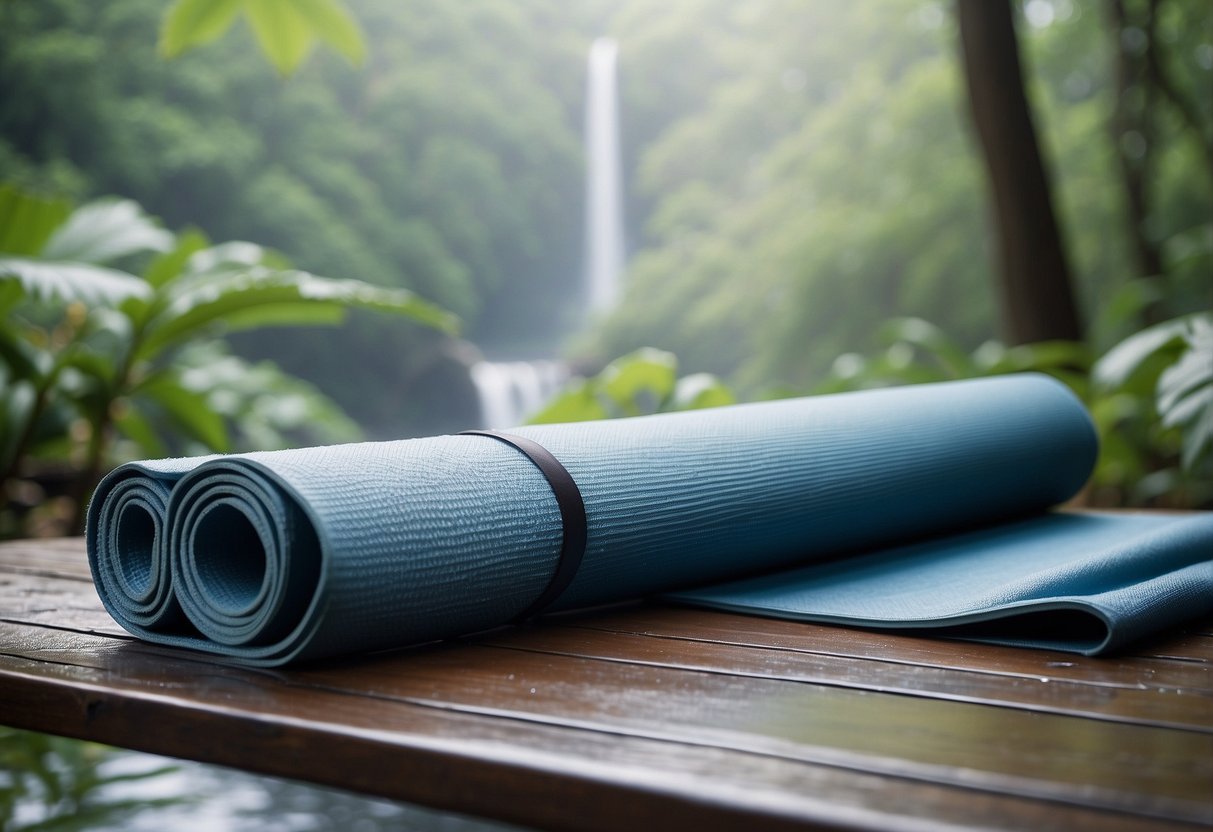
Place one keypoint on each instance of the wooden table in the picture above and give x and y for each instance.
(647, 717)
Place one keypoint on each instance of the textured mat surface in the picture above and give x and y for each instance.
(271, 557)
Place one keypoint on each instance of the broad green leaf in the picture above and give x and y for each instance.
(988, 356)
(189, 23)
(932, 340)
(1119, 363)
(1042, 356)
(267, 408)
(1190, 246)
(241, 295)
(136, 427)
(1185, 392)
(100, 366)
(11, 293)
(187, 409)
(1198, 437)
(235, 253)
(72, 281)
(334, 24)
(17, 400)
(1118, 314)
(283, 32)
(105, 230)
(27, 221)
(169, 266)
(1193, 370)
(644, 373)
(23, 359)
(286, 314)
(577, 403)
(1189, 408)
(1154, 485)
(700, 390)
(896, 365)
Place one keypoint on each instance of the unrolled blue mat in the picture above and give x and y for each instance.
(923, 506)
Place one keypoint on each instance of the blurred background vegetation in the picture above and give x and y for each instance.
(812, 202)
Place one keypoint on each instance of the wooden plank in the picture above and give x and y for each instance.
(1182, 702)
(1186, 707)
(169, 702)
(770, 633)
(1195, 647)
(57, 602)
(62, 557)
(474, 682)
(672, 713)
(1039, 755)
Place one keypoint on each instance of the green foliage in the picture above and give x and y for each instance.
(1174, 359)
(64, 781)
(91, 356)
(916, 351)
(286, 30)
(641, 383)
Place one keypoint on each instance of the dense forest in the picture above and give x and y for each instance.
(796, 175)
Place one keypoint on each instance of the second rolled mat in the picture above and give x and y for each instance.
(271, 557)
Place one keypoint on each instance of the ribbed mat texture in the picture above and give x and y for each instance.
(272, 557)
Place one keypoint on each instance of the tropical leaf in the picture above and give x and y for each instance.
(23, 359)
(285, 30)
(1119, 315)
(265, 407)
(135, 426)
(284, 34)
(335, 26)
(187, 409)
(1185, 391)
(700, 390)
(16, 402)
(190, 23)
(932, 340)
(171, 264)
(1121, 362)
(1044, 355)
(238, 297)
(104, 231)
(47, 280)
(576, 403)
(285, 314)
(27, 221)
(234, 254)
(644, 374)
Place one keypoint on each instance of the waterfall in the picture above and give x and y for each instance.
(604, 254)
(511, 391)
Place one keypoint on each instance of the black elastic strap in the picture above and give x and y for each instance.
(572, 514)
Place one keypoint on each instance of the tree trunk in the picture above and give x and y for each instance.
(1133, 137)
(1034, 277)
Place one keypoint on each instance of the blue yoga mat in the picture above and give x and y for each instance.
(272, 557)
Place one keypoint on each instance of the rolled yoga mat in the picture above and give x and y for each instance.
(268, 558)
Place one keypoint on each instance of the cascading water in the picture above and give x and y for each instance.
(604, 249)
(510, 391)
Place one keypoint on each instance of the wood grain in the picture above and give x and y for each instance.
(647, 716)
